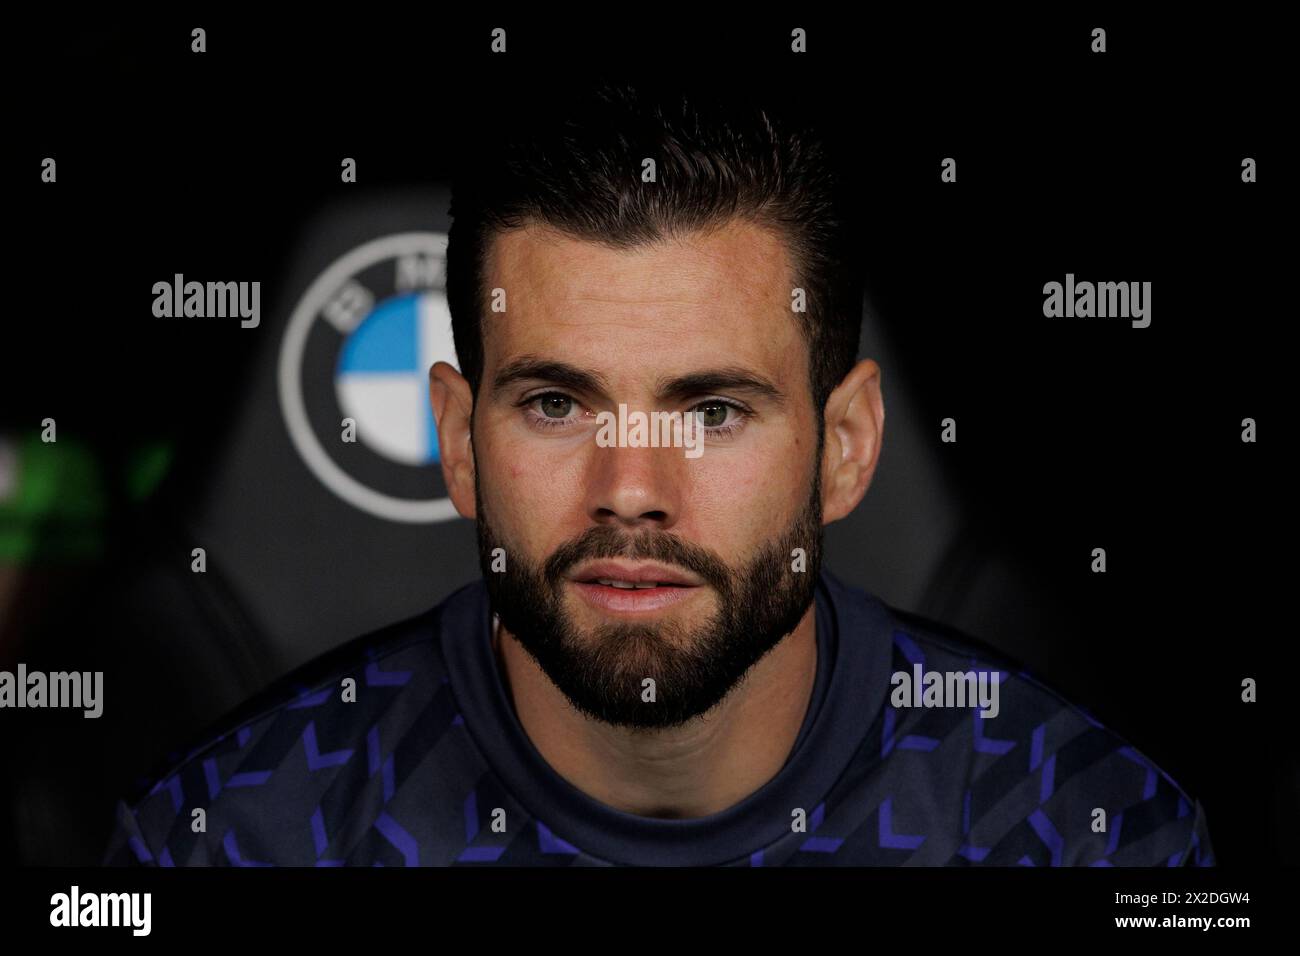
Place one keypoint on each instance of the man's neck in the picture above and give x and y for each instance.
(694, 770)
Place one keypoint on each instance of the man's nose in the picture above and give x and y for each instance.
(637, 487)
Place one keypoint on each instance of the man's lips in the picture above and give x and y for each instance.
(630, 575)
(627, 587)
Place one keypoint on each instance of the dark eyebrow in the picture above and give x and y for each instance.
(729, 379)
(558, 373)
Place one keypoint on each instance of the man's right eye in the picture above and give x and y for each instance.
(555, 405)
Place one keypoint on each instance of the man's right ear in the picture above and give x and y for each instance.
(453, 408)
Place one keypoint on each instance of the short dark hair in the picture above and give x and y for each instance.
(718, 158)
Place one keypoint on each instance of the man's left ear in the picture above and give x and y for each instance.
(855, 425)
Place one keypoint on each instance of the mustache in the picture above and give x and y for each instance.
(604, 541)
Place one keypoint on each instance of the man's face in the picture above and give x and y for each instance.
(701, 325)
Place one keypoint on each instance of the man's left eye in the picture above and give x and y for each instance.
(712, 414)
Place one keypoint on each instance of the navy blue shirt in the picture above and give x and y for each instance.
(430, 766)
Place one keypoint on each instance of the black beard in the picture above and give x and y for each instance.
(601, 671)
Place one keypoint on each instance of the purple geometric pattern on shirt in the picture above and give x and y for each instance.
(251, 778)
(377, 678)
(1112, 844)
(969, 850)
(910, 742)
(819, 844)
(232, 851)
(988, 745)
(975, 854)
(1036, 746)
(1089, 718)
(310, 700)
(392, 831)
(212, 777)
(1048, 783)
(374, 755)
(1047, 833)
(321, 840)
(1203, 856)
(317, 760)
(469, 809)
(1200, 855)
(211, 773)
(887, 734)
(888, 838)
(818, 815)
(1149, 786)
(173, 786)
(476, 854)
(480, 854)
(318, 832)
(911, 650)
(548, 842)
(141, 851)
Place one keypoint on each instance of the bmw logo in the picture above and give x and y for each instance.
(353, 376)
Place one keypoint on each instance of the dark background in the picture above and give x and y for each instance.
(1073, 434)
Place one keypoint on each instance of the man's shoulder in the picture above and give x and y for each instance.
(921, 646)
(280, 744)
(968, 721)
(376, 658)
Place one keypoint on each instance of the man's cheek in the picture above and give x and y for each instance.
(734, 495)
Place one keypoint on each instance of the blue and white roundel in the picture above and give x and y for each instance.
(357, 349)
(383, 375)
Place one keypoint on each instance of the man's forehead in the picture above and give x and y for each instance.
(677, 301)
